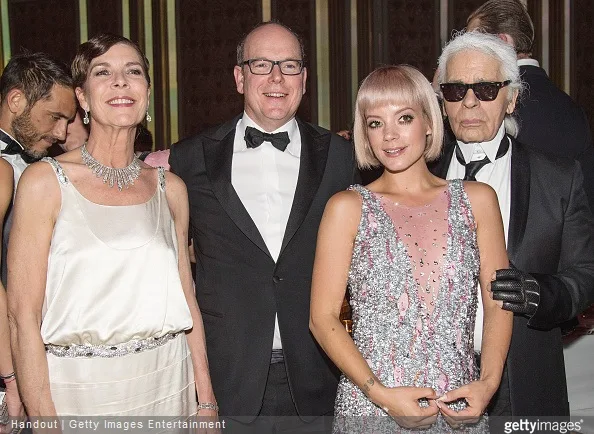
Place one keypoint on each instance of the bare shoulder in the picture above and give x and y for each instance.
(38, 176)
(176, 193)
(39, 188)
(481, 195)
(345, 203)
(174, 183)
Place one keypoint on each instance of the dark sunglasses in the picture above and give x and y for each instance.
(484, 90)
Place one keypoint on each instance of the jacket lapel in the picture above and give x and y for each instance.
(520, 197)
(218, 155)
(314, 154)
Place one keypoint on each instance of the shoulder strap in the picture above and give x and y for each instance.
(161, 180)
(60, 174)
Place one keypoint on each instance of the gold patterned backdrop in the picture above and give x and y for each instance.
(191, 46)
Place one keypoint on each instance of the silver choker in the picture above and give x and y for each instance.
(123, 177)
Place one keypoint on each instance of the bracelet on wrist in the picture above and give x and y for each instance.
(12, 375)
(208, 406)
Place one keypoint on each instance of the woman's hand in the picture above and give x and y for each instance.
(402, 404)
(16, 410)
(209, 417)
(477, 394)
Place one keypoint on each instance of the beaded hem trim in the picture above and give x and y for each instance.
(122, 177)
(109, 351)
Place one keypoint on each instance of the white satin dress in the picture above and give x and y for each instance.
(114, 313)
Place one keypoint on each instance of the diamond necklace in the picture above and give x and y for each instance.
(123, 177)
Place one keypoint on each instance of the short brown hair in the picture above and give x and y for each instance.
(34, 74)
(506, 16)
(401, 83)
(98, 46)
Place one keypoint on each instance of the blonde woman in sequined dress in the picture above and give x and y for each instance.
(411, 248)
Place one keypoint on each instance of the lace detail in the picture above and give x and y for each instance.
(61, 175)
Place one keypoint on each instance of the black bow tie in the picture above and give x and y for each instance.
(255, 137)
(13, 148)
(473, 167)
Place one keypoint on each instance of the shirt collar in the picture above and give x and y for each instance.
(490, 148)
(528, 62)
(3, 145)
(291, 127)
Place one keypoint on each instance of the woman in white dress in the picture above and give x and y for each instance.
(104, 317)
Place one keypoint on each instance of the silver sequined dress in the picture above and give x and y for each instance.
(413, 294)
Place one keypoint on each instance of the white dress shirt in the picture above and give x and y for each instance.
(16, 161)
(497, 174)
(18, 166)
(528, 62)
(265, 180)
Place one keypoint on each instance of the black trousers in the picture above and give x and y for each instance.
(278, 413)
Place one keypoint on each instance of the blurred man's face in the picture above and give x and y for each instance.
(76, 135)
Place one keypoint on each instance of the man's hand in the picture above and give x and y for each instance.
(519, 291)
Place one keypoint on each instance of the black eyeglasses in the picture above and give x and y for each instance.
(264, 66)
(484, 90)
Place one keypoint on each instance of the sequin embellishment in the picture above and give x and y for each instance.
(413, 293)
(109, 351)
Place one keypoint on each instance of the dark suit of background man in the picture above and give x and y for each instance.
(552, 122)
(548, 224)
(255, 211)
(549, 119)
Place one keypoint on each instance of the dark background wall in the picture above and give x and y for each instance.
(197, 89)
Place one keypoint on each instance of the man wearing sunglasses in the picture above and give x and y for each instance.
(552, 122)
(547, 222)
(549, 119)
(257, 187)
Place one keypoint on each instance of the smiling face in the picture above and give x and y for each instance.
(39, 127)
(397, 134)
(270, 100)
(473, 120)
(116, 90)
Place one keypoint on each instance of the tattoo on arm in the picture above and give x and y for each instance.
(367, 384)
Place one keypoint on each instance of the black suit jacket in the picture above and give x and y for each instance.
(550, 236)
(553, 123)
(239, 287)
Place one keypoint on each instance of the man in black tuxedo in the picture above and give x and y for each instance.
(257, 186)
(547, 220)
(553, 123)
(548, 118)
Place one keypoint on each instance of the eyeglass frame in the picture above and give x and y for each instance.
(467, 86)
(274, 63)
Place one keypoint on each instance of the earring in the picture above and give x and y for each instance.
(86, 119)
(148, 117)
